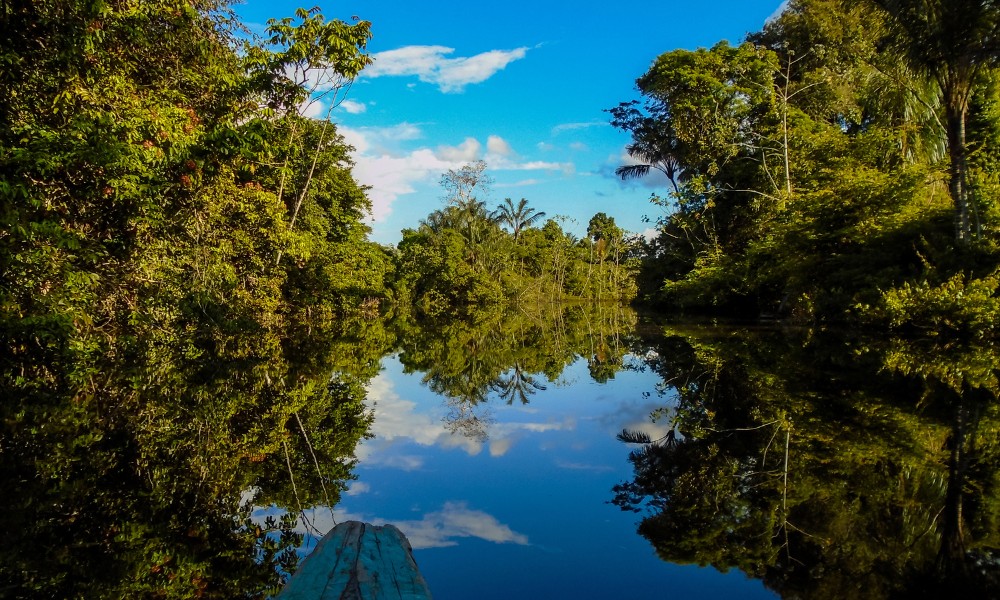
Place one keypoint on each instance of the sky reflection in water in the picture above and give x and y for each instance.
(523, 513)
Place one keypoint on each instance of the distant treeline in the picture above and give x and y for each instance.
(463, 256)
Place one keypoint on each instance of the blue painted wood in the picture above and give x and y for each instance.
(359, 561)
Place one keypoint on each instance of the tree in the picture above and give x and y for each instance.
(516, 384)
(951, 42)
(517, 217)
(603, 227)
(710, 124)
(653, 144)
(464, 188)
(825, 478)
(703, 110)
(143, 146)
(803, 174)
(309, 62)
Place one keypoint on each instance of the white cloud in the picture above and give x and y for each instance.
(467, 151)
(497, 146)
(391, 172)
(431, 64)
(313, 108)
(380, 140)
(408, 60)
(356, 138)
(403, 462)
(574, 126)
(398, 420)
(522, 183)
(568, 424)
(499, 447)
(578, 146)
(402, 132)
(545, 146)
(352, 107)
(539, 165)
(357, 488)
(390, 177)
(456, 520)
(777, 12)
(437, 529)
(501, 157)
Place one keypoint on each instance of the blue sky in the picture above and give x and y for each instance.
(520, 85)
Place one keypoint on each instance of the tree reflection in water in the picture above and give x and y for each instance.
(507, 354)
(134, 474)
(131, 476)
(827, 467)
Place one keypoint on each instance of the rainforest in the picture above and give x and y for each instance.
(787, 386)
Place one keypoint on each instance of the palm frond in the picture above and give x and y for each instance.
(627, 172)
(630, 436)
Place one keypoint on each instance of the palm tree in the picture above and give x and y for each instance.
(439, 220)
(517, 217)
(516, 384)
(950, 42)
(653, 146)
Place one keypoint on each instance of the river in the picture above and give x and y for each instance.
(584, 452)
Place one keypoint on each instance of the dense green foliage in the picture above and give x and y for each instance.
(138, 480)
(180, 253)
(462, 258)
(842, 154)
(188, 297)
(828, 467)
(154, 172)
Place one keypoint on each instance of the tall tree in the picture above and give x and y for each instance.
(465, 187)
(517, 217)
(602, 227)
(950, 42)
(654, 144)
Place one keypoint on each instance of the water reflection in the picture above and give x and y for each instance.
(131, 476)
(827, 467)
(822, 466)
(510, 356)
(536, 472)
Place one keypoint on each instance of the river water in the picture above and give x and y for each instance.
(520, 510)
(575, 452)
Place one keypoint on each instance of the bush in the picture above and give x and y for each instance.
(961, 305)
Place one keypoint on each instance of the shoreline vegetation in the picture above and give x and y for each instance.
(190, 305)
(839, 166)
(815, 175)
(192, 308)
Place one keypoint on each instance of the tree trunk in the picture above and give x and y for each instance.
(951, 555)
(955, 110)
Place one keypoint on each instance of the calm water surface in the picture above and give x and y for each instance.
(523, 512)
(568, 452)
(694, 461)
